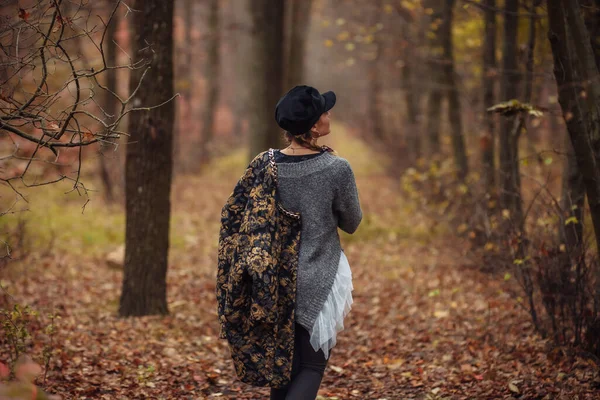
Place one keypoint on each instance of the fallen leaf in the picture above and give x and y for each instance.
(513, 388)
(337, 369)
(24, 15)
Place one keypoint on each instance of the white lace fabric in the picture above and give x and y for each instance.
(330, 320)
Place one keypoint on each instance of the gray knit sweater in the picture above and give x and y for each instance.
(323, 191)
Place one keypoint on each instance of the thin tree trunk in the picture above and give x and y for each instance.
(522, 123)
(489, 99)
(509, 197)
(375, 95)
(591, 10)
(585, 54)
(581, 117)
(411, 97)
(516, 173)
(212, 79)
(454, 109)
(375, 89)
(412, 110)
(572, 205)
(574, 185)
(266, 68)
(299, 17)
(183, 127)
(591, 77)
(375, 106)
(241, 49)
(434, 122)
(188, 22)
(436, 76)
(149, 164)
(519, 219)
(110, 107)
(531, 51)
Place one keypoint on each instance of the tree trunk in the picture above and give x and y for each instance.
(531, 52)
(587, 61)
(510, 196)
(375, 103)
(571, 69)
(529, 77)
(516, 134)
(488, 137)
(111, 107)
(454, 109)
(375, 88)
(188, 25)
(436, 77)
(572, 204)
(299, 18)
(520, 123)
(411, 97)
(524, 270)
(591, 10)
(183, 127)
(241, 48)
(591, 76)
(149, 164)
(211, 75)
(434, 122)
(266, 69)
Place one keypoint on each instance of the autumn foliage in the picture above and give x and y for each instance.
(470, 125)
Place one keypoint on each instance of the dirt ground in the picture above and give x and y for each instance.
(425, 323)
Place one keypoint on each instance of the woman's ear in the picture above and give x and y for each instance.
(314, 131)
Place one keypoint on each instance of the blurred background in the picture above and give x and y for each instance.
(471, 126)
(407, 73)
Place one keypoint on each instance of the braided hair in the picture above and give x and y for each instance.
(306, 140)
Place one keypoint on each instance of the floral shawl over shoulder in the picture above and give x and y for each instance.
(256, 278)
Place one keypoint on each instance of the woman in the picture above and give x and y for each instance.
(320, 186)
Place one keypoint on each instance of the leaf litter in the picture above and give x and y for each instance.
(424, 324)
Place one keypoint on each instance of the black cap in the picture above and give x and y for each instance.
(300, 108)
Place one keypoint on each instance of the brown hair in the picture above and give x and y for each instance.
(308, 141)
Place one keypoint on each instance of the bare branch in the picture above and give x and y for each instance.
(41, 107)
(44, 66)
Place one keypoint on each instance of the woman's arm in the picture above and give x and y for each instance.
(346, 202)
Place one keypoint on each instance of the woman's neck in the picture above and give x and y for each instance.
(298, 149)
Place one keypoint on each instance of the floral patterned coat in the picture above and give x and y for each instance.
(256, 278)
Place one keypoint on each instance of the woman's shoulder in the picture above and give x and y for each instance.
(343, 169)
(340, 162)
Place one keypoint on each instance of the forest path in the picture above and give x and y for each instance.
(423, 324)
(427, 325)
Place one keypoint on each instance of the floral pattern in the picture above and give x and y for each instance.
(256, 279)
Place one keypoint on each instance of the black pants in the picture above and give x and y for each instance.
(308, 367)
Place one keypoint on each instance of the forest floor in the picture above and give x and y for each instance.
(426, 324)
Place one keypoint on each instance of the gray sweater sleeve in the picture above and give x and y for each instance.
(346, 204)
